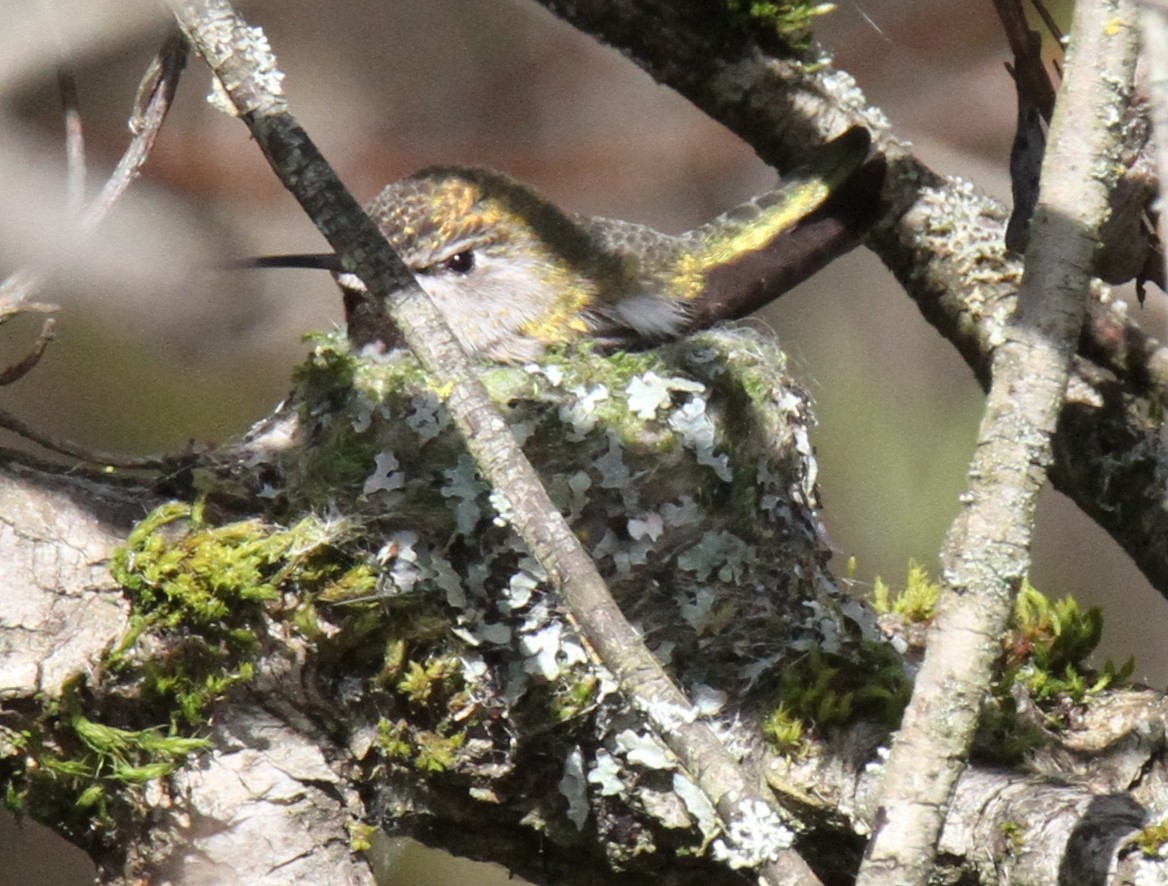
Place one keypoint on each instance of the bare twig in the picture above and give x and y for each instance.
(1025, 43)
(151, 105)
(74, 140)
(158, 86)
(1048, 20)
(11, 423)
(243, 62)
(987, 553)
(1035, 96)
(1154, 36)
(19, 370)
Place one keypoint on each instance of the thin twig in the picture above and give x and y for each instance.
(242, 60)
(74, 140)
(1154, 36)
(19, 370)
(152, 103)
(1029, 71)
(11, 423)
(987, 552)
(158, 87)
(1048, 20)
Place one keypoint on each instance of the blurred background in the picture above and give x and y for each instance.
(157, 346)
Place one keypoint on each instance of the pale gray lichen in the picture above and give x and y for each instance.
(574, 788)
(755, 838)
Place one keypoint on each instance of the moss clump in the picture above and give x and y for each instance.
(1045, 652)
(790, 22)
(916, 602)
(204, 590)
(427, 750)
(81, 774)
(786, 732)
(1152, 839)
(1048, 646)
(823, 690)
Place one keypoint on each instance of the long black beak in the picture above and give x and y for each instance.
(321, 261)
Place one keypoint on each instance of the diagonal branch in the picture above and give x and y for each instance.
(987, 553)
(242, 61)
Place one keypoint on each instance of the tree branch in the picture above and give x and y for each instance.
(987, 553)
(942, 239)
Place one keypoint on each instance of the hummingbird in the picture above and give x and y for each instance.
(514, 274)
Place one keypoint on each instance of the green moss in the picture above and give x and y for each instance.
(361, 836)
(574, 695)
(1015, 835)
(206, 588)
(916, 602)
(786, 732)
(393, 738)
(1045, 653)
(822, 690)
(429, 683)
(1152, 839)
(435, 753)
(427, 750)
(791, 22)
(83, 775)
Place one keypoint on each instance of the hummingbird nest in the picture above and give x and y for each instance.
(688, 474)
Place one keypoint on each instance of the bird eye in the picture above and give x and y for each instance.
(460, 262)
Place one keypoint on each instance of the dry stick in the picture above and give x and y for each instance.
(243, 62)
(1028, 62)
(1048, 20)
(151, 105)
(1154, 36)
(155, 94)
(74, 140)
(987, 551)
(25, 365)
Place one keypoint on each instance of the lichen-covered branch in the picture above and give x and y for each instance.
(987, 552)
(1154, 40)
(942, 239)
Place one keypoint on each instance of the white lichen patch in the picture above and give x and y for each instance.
(462, 484)
(700, 808)
(650, 393)
(695, 426)
(579, 411)
(754, 838)
(606, 774)
(574, 788)
(386, 476)
(423, 418)
(645, 750)
(550, 651)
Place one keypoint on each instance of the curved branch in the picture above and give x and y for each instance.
(943, 240)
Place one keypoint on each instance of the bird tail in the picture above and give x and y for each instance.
(755, 253)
